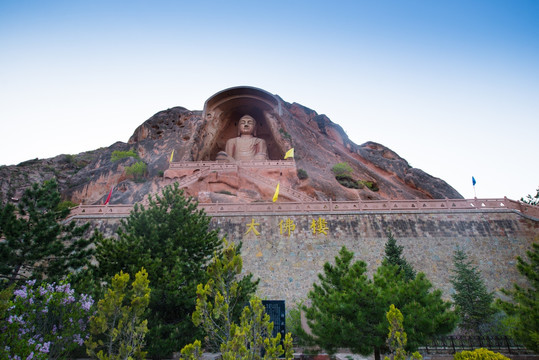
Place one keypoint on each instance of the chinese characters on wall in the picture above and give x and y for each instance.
(287, 227)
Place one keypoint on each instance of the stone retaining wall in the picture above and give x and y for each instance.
(287, 259)
(288, 264)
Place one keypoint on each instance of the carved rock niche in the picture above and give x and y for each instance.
(223, 110)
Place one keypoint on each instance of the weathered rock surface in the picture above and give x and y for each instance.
(195, 136)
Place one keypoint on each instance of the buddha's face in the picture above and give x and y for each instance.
(247, 125)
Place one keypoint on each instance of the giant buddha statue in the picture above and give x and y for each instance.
(246, 146)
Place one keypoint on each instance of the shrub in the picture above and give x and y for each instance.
(66, 204)
(397, 338)
(118, 155)
(479, 354)
(302, 174)
(347, 181)
(248, 338)
(118, 328)
(45, 322)
(285, 134)
(293, 324)
(342, 169)
(137, 170)
(373, 186)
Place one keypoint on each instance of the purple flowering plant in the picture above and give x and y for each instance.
(44, 322)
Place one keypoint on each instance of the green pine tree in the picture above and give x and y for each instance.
(348, 310)
(393, 256)
(524, 309)
(36, 242)
(473, 301)
(171, 238)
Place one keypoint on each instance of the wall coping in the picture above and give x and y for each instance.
(224, 165)
(332, 207)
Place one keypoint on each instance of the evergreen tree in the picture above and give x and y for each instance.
(171, 239)
(250, 339)
(119, 326)
(348, 310)
(36, 243)
(393, 256)
(525, 306)
(473, 301)
(246, 337)
(221, 299)
(397, 338)
(532, 200)
(344, 311)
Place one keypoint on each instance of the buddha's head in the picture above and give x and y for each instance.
(247, 125)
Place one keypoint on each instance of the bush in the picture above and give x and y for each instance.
(302, 174)
(397, 338)
(118, 155)
(137, 170)
(45, 322)
(285, 134)
(66, 204)
(479, 354)
(347, 181)
(342, 169)
(293, 324)
(119, 326)
(373, 186)
(248, 338)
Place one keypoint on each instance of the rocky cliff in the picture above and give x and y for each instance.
(377, 172)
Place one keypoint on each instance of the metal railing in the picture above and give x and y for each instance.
(454, 343)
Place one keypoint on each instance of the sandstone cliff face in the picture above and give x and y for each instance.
(194, 136)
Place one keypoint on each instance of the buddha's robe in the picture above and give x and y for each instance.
(245, 148)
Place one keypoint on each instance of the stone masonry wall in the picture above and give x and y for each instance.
(288, 264)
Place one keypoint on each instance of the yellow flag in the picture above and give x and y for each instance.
(289, 153)
(276, 195)
(171, 156)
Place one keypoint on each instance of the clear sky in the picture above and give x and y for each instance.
(451, 86)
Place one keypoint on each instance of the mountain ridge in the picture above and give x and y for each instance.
(319, 144)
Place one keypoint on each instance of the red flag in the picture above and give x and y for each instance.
(108, 197)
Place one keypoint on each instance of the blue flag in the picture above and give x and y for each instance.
(473, 181)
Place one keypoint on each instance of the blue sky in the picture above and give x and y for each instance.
(451, 86)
